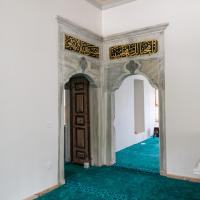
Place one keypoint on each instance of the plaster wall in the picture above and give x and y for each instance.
(29, 83)
(29, 91)
(124, 113)
(181, 71)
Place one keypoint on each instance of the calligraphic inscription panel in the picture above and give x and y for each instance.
(79, 46)
(135, 49)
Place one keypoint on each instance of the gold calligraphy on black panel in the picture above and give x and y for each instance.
(135, 49)
(79, 46)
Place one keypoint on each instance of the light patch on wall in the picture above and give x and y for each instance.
(196, 170)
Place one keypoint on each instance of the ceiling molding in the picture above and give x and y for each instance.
(141, 31)
(107, 5)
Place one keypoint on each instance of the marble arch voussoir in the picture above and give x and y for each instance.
(106, 76)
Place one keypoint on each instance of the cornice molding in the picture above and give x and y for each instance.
(142, 31)
(79, 29)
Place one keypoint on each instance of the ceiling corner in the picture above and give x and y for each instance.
(106, 4)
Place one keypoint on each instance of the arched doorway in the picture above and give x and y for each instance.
(81, 119)
(153, 70)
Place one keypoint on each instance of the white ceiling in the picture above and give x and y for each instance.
(105, 4)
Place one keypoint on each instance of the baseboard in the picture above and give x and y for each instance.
(35, 196)
(184, 178)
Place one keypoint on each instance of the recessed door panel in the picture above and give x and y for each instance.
(80, 138)
(79, 99)
(80, 120)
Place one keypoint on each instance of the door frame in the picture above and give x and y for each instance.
(107, 76)
(94, 118)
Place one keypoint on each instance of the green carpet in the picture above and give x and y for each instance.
(110, 183)
(143, 156)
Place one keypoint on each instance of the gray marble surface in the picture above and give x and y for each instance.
(105, 78)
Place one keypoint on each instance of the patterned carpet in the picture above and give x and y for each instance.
(143, 156)
(120, 183)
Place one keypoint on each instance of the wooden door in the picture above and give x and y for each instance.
(80, 124)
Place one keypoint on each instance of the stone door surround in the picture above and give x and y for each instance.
(105, 76)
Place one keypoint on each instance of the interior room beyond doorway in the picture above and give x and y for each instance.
(137, 125)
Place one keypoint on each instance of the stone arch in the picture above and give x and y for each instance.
(82, 67)
(133, 68)
(87, 76)
(154, 74)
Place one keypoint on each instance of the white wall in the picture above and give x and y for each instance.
(124, 113)
(29, 93)
(28, 83)
(182, 71)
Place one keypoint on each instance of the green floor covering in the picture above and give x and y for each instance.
(143, 156)
(110, 183)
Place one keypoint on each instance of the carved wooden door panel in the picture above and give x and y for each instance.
(80, 124)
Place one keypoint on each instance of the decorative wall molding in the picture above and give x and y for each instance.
(141, 31)
(71, 63)
(105, 76)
